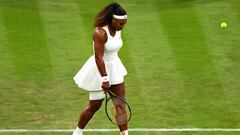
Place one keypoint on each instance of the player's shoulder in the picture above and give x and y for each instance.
(99, 30)
(100, 33)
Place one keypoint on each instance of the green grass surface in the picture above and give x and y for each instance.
(183, 70)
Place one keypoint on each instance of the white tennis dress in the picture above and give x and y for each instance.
(89, 77)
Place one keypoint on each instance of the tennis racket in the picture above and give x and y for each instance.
(117, 109)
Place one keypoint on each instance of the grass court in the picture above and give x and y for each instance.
(183, 69)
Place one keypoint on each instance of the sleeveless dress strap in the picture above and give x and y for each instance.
(106, 29)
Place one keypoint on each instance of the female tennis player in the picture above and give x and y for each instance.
(104, 70)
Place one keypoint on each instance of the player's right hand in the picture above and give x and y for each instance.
(105, 86)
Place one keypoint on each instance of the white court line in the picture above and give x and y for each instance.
(131, 130)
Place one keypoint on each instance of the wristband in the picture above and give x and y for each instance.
(105, 79)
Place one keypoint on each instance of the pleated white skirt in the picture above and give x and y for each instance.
(90, 79)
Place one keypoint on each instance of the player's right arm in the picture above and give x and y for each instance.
(99, 38)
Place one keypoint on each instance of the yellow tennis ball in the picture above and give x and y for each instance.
(223, 25)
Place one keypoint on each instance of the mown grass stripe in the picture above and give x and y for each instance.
(193, 61)
(225, 52)
(26, 41)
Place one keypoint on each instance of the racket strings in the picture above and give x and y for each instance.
(119, 111)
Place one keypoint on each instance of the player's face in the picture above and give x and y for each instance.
(119, 23)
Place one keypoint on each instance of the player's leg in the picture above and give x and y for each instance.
(94, 104)
(119, 89)
(88, 112)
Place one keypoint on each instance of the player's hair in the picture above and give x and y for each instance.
(104, 17)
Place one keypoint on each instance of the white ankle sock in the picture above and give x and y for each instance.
(78, 131)
(125, 132)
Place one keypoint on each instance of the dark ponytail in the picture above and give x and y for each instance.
(104, 17)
